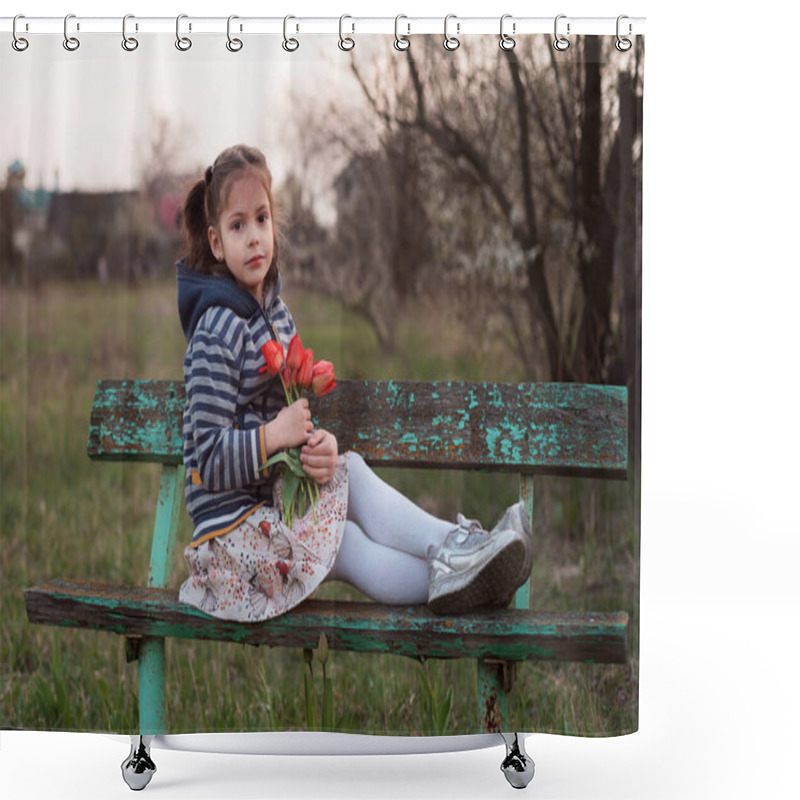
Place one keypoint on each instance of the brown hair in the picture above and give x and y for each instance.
(207, 198)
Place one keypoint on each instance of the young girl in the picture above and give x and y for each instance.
(244, 562)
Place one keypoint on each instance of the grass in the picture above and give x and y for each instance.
(65, 516)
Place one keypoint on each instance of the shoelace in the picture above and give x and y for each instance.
(465, 528)
(468, 524)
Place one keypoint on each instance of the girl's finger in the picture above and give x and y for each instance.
(317, 438)
(319, 475)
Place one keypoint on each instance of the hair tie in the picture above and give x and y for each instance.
(209, 175)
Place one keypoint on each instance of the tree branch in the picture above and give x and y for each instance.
(452, 143)
(373, 103)
(523, 143)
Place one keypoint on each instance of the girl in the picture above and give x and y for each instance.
(244, 562)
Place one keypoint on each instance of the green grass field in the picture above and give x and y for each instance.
(63, 516)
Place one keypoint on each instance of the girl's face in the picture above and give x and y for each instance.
(243, 236)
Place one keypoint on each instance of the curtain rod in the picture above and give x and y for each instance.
(347, 25)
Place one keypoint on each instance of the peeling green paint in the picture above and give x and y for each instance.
(413, 631)
(541, 428)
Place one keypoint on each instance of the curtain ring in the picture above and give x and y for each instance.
(623, 45)
(70, 42)
(183, 43)
(560, 43)
(506, 42)
(19, 43)
(451, 42)
(401, 42)
(128, 42)
(290, 44)
(346, 42)
(234, 45)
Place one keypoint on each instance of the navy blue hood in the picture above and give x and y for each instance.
(198, 292)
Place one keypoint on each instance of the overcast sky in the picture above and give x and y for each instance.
(84, 119)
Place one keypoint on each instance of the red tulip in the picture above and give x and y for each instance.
(273, 356)
(322, 380)
(294, 363)
(294, 355)
(306, 371)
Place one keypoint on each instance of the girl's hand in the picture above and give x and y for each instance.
(319, 456)
(292, 427)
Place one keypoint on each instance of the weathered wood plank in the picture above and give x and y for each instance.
(137, 421)
(546, 428)
(509, 427)
(413, 631)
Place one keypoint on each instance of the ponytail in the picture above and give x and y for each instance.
(195, 229)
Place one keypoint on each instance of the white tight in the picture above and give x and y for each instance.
(386, 540)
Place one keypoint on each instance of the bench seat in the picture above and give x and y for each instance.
(508, 634)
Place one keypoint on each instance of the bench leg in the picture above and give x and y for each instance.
(495, 681)
(152, 715)
(518, 766)
(138, 767)
(491, 697)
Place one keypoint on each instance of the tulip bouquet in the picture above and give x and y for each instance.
(299, 375)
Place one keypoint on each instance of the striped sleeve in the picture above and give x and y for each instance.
(227, 458)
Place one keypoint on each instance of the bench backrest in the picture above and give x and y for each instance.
(529, 428)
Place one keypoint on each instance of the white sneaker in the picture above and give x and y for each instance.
(516, 519)
(476, 569)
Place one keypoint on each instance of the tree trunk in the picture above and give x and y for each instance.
(540, 307)
(596, 253)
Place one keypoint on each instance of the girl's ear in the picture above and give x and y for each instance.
(215, 243)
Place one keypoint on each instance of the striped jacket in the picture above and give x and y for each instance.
(228, 401)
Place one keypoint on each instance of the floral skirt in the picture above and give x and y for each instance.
(262, 568)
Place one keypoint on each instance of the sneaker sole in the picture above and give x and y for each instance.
(487, 587)
(518, 521)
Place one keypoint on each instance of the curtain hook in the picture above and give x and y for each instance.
(233, 45)
(560, 43)
(70, 42)
(183, 43)
(506, 42)
(623, 45)
(401, 42)
(19, 43)
(451, 42)
(128, 42)
(346, 42)
(289, 44)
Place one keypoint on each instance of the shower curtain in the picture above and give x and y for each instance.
(451, 207)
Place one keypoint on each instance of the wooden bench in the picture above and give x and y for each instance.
(529, 429)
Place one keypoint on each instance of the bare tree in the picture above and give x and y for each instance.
(526, 155)
(371, 257)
